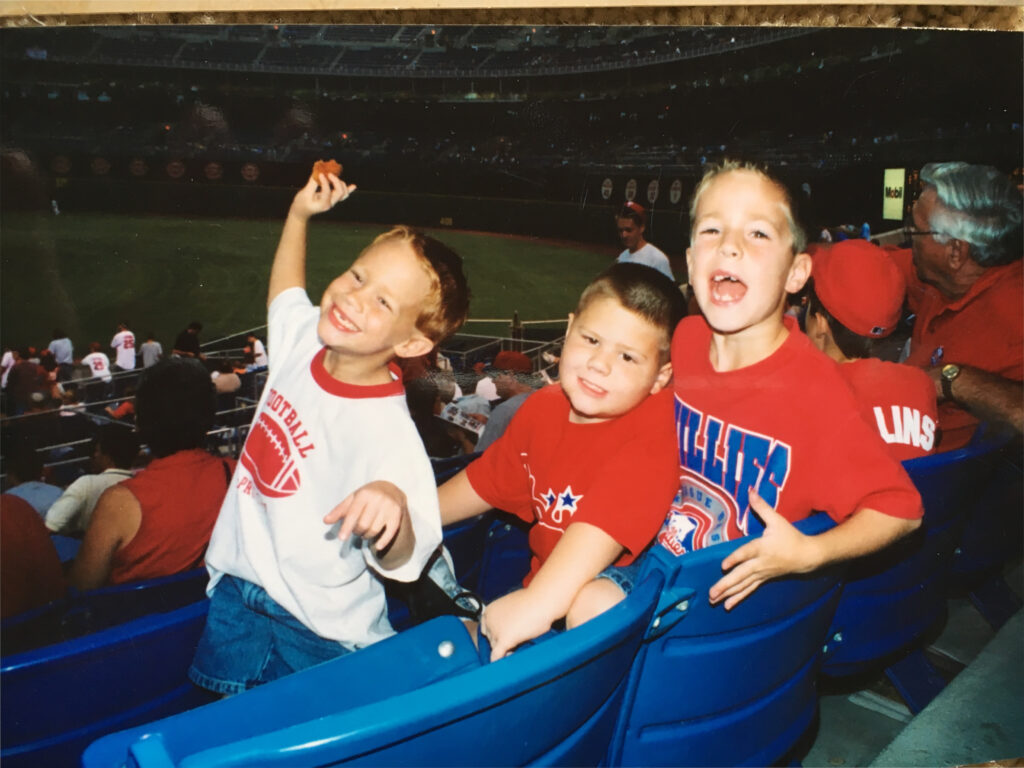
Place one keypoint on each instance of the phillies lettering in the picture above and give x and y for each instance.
(908, 426)
(735, 462)
(291, 420)
(718, 465)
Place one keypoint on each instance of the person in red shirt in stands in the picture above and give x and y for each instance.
(965, 286)
(856, 298)
(159, 522)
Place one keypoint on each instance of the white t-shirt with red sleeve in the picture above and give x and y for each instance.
(314, 440)
(618, 475)
(898, 401)
(787, 426)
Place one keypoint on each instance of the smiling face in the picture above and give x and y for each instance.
(370, 311)
(612, 359)
(740, 259)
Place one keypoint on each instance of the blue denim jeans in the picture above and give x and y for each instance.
(624, 577)
(249, 639)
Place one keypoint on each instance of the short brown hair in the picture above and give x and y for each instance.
(447, 306)
(642, 290)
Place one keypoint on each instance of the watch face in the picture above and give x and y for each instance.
(950, 371)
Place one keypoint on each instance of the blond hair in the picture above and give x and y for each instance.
(730, 166)
(447, 304)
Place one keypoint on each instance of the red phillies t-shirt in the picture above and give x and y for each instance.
(618, 475)
(898, 401)
(983, 329)
(787, 426)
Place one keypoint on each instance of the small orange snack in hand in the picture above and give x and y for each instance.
(325, 167)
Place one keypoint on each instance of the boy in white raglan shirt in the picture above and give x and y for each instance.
(293, 571)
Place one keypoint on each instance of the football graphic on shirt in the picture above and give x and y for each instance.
(267, 455)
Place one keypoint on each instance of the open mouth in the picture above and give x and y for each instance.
(726, 288)
(340, 320)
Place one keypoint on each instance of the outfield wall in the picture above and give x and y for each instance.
(571, 205)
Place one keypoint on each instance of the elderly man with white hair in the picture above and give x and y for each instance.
(965, 286)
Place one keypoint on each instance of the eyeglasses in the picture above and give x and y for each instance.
(910, 231)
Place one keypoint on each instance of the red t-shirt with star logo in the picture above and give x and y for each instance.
(618, 475)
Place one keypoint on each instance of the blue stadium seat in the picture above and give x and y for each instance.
(422, 697)
(58, 699)
(890, 600)
(82, 613)
(993, 536)
(715, 687)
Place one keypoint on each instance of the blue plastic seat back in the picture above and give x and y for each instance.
(82, 613)
(423, 697)
(58, 699)
(716, 687)
(445, 469)
(892, 598)
(994, 532)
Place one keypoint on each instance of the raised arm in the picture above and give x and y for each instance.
(318, 196)
(114, 523)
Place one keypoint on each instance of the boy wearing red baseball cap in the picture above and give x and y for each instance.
(856, 298)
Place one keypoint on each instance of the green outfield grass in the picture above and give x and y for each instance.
(85, 272)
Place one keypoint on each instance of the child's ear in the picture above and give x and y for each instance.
(799, 271)
(414, 346)
(567, 327)
(689, 264)
(663, 378)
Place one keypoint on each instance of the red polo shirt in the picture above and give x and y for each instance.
(983, 329)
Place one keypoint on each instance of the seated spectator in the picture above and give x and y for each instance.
(259, 352)
(30, 570)
(125, 410)
(26, 479)
(159, 522)
(514, 381)
(116, 449)
(225, 380)
(424, 401)
(964, 284)
(855, 298)
(485, 384)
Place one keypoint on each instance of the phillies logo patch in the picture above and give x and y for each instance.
(701, 515)
(274, 443)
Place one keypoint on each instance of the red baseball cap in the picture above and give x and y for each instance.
(860, 286)
(513, 361)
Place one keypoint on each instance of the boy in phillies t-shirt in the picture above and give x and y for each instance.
(589, 462)
(856, 297)
(333, 485)
(765, 423)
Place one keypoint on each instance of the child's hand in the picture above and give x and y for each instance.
(780, 550)
(320, 195)
(374, 512)
(510, 621)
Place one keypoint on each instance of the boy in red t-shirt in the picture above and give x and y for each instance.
(856, 297)
(589, 462)
(765, 423)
